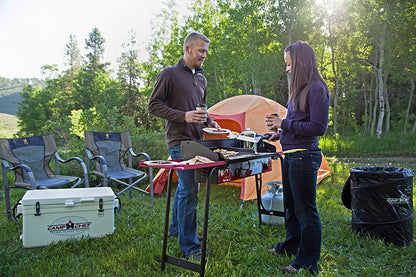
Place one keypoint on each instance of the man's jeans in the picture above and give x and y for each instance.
(183, 221)
(303, 224)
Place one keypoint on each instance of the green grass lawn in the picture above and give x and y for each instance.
(8, 125)
(236, 243)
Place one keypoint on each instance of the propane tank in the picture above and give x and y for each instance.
(273, 200)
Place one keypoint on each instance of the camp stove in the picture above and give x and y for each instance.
(250, 139)
(244, 161)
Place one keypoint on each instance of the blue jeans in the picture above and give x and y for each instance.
(303, 224)
(183, 221)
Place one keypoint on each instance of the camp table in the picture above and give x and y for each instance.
(245, 163)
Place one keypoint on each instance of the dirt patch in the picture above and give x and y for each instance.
(399, 161)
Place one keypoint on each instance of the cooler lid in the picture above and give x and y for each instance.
(60, 196)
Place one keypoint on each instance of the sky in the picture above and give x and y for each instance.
(34, 33)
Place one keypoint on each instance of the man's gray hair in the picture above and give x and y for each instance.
(191, 37)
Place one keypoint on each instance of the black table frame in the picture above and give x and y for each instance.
(200, 267)
(260, 206)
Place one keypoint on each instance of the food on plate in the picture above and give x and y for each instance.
(226, 153)
(216, 130)
(198, 160)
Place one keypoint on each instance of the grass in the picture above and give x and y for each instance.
(392, 144)
(8, 125)
(236, 243)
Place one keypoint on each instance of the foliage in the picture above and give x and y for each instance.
(365, 51)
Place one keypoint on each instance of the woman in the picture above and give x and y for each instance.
(306, 120)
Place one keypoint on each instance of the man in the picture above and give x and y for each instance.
(178, 90)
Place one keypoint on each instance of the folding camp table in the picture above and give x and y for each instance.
(244, 164)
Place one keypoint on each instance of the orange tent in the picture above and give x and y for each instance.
(237, 114)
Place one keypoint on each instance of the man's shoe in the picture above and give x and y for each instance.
(289, 269)
(278, 253)
(196, 256)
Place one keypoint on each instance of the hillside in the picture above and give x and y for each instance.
(10, 92)
(9, 100)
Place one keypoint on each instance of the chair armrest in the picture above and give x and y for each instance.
(98, 157)
(146, 156)
(5, 165)
(80, 161)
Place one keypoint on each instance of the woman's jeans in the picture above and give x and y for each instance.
(303, 224)
(183, 221)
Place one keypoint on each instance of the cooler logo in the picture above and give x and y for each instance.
(69, 226)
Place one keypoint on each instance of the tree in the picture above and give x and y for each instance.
(73, 56)
(34, 110)
(95, 47)
(129, 71)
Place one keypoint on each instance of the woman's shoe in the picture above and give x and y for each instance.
(273, 252)
(289, 269)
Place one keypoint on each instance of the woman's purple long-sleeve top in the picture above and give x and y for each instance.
(301, 130)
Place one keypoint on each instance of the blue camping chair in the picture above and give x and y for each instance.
(108, 151)
(29, 158)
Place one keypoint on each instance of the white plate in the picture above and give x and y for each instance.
(161, 163)
(216, 131)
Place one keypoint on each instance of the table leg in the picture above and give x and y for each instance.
(260, 205)
(205, 228)
(166, 228)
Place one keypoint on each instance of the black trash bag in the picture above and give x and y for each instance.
(381, 201)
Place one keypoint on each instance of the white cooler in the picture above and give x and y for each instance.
(51, 215)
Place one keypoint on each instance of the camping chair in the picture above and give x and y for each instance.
(108, 150)
(30, 159)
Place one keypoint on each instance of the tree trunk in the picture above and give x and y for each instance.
(370, 107)
(388, 112)
(381, 99)
(336, 81)
(386, 74)
(414, 127)
(365, 110)
(409, 105)
(373, 119)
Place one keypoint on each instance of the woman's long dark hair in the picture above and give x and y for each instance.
(304, 73)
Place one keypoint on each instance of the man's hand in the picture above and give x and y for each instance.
(214, 124)
(196, 117)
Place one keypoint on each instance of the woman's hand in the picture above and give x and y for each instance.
(273, 121)
(272, 136)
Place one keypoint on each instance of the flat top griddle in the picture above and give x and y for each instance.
(206, 148)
